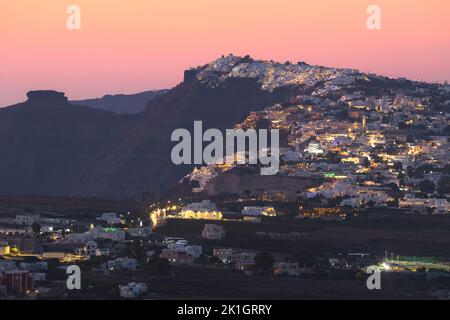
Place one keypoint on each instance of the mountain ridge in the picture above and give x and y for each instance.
(122, 103)
(52, 147)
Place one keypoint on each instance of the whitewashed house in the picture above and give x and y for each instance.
(213, 232)
(133, 290)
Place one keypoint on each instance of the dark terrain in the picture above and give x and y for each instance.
(122, 103)
(51, 147)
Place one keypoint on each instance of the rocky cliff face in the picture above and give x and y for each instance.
(52, 147)
(47, 98)
(48, 144)
(141, 160)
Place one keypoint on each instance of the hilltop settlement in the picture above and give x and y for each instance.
(364, 180)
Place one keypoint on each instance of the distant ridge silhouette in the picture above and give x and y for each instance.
(122, 103)
(54, 147)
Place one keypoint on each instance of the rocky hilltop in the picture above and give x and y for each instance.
(51, 146)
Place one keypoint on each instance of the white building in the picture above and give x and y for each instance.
(259, 211)
(133, 290)
(178, 251)
(364, 196)
(205, 210)
(111, 218)
(47, 228)
(27, 219)
(80, 237)
(168, 240)
(228, 255)
(104, 252)
(139, 232)
(113, 234)
(177, 256)
(213, 232)
(352, 202)
(205, 205)
(315, 149)
(123, 264)
(193, 250)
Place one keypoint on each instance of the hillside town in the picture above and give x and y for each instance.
(385, 150)
(364, 180)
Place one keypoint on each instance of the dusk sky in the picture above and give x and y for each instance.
(137, 45)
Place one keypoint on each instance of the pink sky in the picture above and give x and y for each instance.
(137, 45)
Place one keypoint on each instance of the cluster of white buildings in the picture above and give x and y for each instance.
(29, 271)
(205, 210)
(92, 249)
(111, 218)
(440, 206)
(26, 224)
(345, 139)
(178, 251)
(274, 75)
(356, 195)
